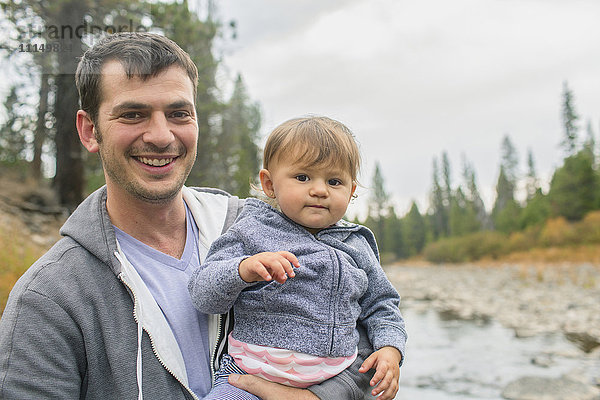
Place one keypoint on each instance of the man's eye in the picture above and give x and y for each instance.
(131, 115)
(334, 182)
(302, 178)
(180, 114)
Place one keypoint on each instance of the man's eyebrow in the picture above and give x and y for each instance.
(133, 105)
(180, 104)
(129, 105)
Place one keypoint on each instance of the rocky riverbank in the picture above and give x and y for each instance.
(530, 299)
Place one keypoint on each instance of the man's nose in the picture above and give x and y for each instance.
(158, 131)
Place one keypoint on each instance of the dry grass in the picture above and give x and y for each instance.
(576, 254)
(19, 248)
(17, 253)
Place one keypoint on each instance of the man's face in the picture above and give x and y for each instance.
(147, 132)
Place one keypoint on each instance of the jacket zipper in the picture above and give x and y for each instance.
(135, 317)
(336, 294)
(214, 353)
(337, 289)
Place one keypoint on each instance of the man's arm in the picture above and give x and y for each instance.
(349, 384)
(269, 390)
(39, 350)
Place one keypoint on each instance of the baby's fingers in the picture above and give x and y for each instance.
(368, 364)
(278, 270)
(261, 271)
(388, 385)
(292, 262)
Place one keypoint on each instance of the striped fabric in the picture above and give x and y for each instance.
(286, 366)
(222, 390)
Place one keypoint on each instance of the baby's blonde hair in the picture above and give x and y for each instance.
(314, 140)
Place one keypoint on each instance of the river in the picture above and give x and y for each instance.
(453, 359)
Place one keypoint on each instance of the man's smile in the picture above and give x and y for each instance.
(155, 162)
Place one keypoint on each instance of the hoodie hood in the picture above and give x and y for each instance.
(341, 230)
(90, 226)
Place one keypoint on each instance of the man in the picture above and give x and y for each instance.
(106, 313)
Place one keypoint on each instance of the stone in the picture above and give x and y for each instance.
(542, 360)
(542, 388)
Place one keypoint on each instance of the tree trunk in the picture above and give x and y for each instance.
(69, 179)
(40, 130)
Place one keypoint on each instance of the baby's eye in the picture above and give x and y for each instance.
(302, 178)
(334, 182)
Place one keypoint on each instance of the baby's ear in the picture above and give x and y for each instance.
(354, 185)
(267, 183)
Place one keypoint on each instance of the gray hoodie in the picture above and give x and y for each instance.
(338, 283)
(80, 323)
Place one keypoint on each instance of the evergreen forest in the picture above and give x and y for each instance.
(458, 227)
(41, 45)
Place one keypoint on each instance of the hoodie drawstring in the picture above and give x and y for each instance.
(139, 334)
(139, 362)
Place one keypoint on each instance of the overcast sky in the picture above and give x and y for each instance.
(415, 78)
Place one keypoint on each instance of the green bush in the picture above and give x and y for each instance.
(467, 248)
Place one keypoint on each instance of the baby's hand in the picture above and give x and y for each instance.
(387, 371)
(267, 266)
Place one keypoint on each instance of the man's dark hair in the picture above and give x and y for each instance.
(142, 55)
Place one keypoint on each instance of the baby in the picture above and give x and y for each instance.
(298, 277)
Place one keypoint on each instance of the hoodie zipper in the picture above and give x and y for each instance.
(135, 317)
(336, 292)
(214, 353)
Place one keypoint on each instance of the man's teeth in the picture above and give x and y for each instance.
(155, 162)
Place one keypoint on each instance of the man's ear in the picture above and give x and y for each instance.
(266, 182)
(87, 131)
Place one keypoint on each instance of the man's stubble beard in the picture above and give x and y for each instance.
(118, 174)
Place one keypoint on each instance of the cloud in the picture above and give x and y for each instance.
(413, 79)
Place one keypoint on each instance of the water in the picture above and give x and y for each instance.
(450, 359)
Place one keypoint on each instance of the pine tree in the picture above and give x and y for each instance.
(237, 149)
(438, 209)
(379, 198)
(473, 197)
(393, 239)
(569, 119)
(509, 161)
(414, 231)
(505, 213)
(446, 180)
(378, 203)
(531, 180)
(590, 143)
(574, 187)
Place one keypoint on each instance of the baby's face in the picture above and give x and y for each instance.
(313, 197)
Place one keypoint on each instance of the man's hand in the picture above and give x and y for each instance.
(268, 265)
(387, 371)
(269, 390)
